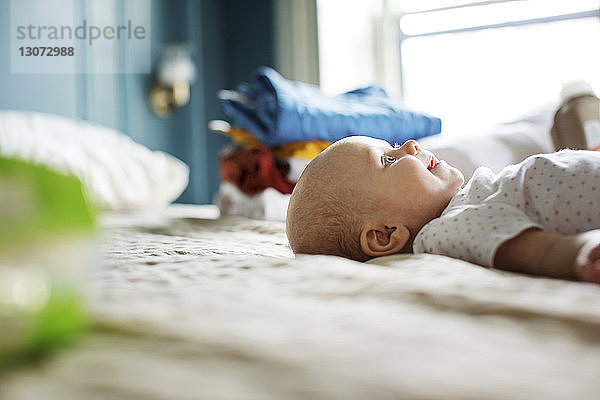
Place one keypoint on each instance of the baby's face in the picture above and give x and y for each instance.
(404, 180)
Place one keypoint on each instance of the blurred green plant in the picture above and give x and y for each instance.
(44, 217)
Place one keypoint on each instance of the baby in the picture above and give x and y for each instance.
(362, 198)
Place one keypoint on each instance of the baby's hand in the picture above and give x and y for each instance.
(587, 262)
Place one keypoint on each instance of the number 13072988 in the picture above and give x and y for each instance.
(46, 51)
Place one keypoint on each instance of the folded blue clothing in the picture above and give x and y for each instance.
(279, 111)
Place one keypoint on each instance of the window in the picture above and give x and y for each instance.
(477, 63)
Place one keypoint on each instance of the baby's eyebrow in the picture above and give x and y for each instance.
(368, 156)
(375, 161)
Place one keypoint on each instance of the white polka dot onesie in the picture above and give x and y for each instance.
(558, 192)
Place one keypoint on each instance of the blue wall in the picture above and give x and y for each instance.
(230, 39)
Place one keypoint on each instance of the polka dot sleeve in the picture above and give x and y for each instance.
(472, 232)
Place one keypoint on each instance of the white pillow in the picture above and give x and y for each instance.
(118, 173)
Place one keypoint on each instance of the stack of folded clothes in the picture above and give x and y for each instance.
(256, 180)
(278, 126)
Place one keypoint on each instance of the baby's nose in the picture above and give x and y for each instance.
(411, 147)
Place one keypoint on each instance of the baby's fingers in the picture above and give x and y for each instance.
(590, 272)
(587, 262)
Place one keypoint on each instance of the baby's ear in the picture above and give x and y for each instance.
(378, 240)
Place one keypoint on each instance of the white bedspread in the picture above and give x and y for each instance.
(187, 307)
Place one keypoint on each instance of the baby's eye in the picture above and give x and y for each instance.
(386, 160)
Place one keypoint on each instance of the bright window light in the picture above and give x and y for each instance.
(346, 45)
(490, 14)
(479, 78)
(410, 6)
(472, 63)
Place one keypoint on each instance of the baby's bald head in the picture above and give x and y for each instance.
(323, 215)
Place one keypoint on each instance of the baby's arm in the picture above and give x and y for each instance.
(551, 254)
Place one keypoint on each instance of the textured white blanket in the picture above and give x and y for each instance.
(193, 308)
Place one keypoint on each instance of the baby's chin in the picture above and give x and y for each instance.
(461, 179)
(454, 177)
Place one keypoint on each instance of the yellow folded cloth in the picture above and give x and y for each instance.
(306, 149)
(239, 136)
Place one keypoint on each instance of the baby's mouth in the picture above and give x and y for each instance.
(433, 162)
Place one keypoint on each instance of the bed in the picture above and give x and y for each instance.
(188, 304)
